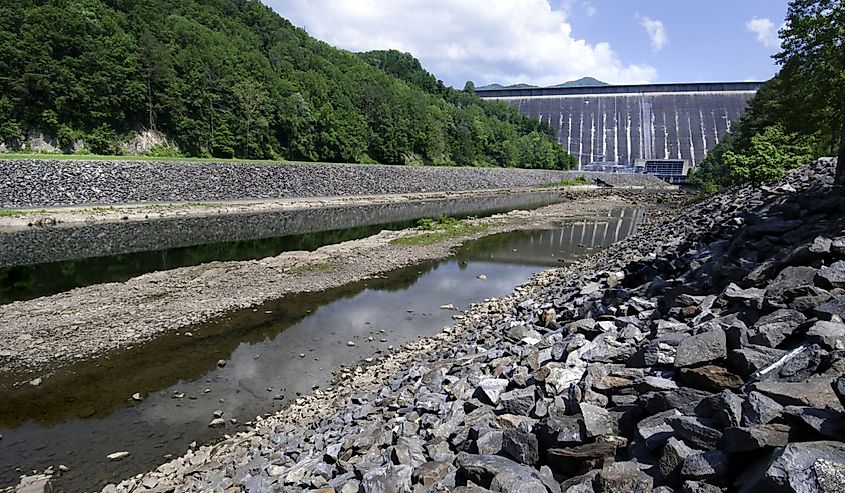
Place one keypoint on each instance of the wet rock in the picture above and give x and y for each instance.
(701, 348)
(116, 456)
(37, 483)
(388, 479)
(217, 423)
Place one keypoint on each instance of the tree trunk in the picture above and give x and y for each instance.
(150, 102)
(840, 166)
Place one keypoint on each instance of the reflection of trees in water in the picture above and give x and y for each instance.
(104, 385)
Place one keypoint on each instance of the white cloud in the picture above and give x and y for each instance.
(656, 32)
(505, 41)
(590, 9)
(765, 31)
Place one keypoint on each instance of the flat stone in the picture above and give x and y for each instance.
(830, 424)
(654, 430)
(746, 439)
(691, 486)
(711, 378)
(752, 297)
(701, 348)
(598, 420)
(705, 465)
(683, 399)
(814, 392)
(431, 472)
(117, 456)
(622, 477)
(696, 431)
(571, 460)
(483, 469)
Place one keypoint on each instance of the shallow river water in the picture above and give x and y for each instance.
(86, 411)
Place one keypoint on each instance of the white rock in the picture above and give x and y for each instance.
(117, 455)
(137, 396)
(217, 423)
(36, 382)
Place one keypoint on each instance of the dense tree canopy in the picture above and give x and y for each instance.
(799, 114)
(230, 78)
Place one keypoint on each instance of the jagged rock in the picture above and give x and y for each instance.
(560, 431)
(652, 383)
(814, 392)
(519, 401)
(683, 399)
(484, 469)
(805, 467)
(698, 487)
(597, 420)
(698, 432)
(829, 335)
(622, 477)
(489, 442)
(758, 409)
(772, 329)
(701, 348)
(830, 424)
(832, 276)
(838, 386)
(388, 479)
(575, 460)
(746, 439)
(724, 408)
(431, 472)
(492, 388)
(521, 446)
(788, 278)
(833, 308)
(752, 358)
(674, 454)
(654, 430)
(752, 297)
(705, 465)
(711, 378)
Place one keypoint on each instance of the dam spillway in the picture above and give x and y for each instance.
(629, 123)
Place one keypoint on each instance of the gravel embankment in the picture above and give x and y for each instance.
(45, 183)
(704, 354)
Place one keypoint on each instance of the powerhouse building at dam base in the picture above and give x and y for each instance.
(661, 129)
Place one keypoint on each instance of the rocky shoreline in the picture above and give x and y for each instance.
(42, 334)
(35, 183)
(703, 354)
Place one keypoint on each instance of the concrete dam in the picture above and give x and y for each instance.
(636, 127)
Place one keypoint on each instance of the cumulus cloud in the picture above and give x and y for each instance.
(656, 32)
(505, 41)
(765, 31)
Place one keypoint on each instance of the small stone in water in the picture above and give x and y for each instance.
(63, 468)
(218, 413)
(350, 343)
(117, 455)
(448, 306)
(221, 363)
(178, 395)
(482, 277)
(217, 423)
(137, 396)
(301, 355)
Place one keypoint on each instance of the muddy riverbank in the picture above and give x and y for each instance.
(44, 333)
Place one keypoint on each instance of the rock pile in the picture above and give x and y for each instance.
(43, 183)
(705, 354)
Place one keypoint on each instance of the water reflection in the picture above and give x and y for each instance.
(85, 412)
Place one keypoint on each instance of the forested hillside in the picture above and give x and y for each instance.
(797, 116)
(230, 78)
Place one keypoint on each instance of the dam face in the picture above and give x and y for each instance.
(626, 124)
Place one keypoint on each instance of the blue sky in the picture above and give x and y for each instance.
(544, 42)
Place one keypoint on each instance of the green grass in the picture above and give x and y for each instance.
(314, 267)
(441, 229)
(567, 182)
(10, 212)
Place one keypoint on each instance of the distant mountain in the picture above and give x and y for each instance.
(499, 86)
(582, 82)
